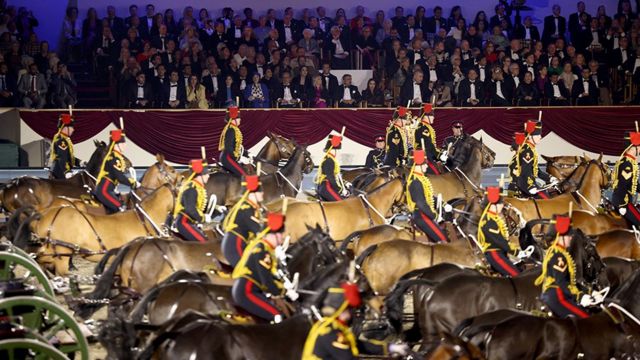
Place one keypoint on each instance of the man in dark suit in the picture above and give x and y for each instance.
(329, 81)
(575, 22)
(150, 66)
(174, 94)
(416, 91)
(133, 11)
(527, 31)
(146, 22)
(106, 51)
(555, 26)
(161, 41)
(288, 95)
(140, 94)
(324, 22)
(249, 20)
(496, 20)
(471, 90)
(399, 21)
(600, 76)
(213, 80)
(115, 23)
(207, 37)
(347, 95)
(483, 70)
(556, 92)
(435, 22)
(584, 91)
(499, 88)
(8, 87)
(289, 32)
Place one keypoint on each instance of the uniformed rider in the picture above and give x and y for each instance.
(230, 145)
(62, 159)
(421, 201)
(375, 157)
(243, 222)
(113, 172)
(527, 170)
(189, 212)
(329, 184)
(449, 145)
(425, 134)
(396, 149)
(625, 181)
(518, 140)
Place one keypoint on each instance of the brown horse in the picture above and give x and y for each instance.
(66, 231)
(363, 239)
(344, 217)
(620, 243)
(40, 193)
(561, 167)
(277, 149)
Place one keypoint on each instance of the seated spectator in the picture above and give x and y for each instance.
(33, 88)
(302, 60)
(159, 80)
(338, 49)
(32, 46)
(584, 91)
(568, 77)
(161, 41)
(309, 44)
(415, 92)
(471, 91)
(303, 80)
(500, 90)
(106, 51)
(174, 94)
(373, 95)
(42, 58)
(270, 81)
(347, 95)
(556, 92)
(288, 94)
(442, 94)
(135, 43)
(256, 94)
(527, 93)
(211, 80)
(367, 45)
(498, 38)
(262, 31)
(600, 77)
(319, 96)
(63, 88)
(140, 93)
(248, 38)
(72, 30)
(228, 94)
(196, 94)
(8, 87)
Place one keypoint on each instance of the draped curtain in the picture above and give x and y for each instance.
(179, 134)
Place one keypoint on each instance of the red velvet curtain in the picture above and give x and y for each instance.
(179, 134)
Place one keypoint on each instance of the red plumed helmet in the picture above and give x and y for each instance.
(402, 111)
(634, 138)
(197, 166)
(427, 108)
(530, 126)
(418, 157)
(336, 140)
(116, 135)
(351, 294)
(65, 119)
(493, 194)
(563, 223)
(519, 138)
(233, 112)
(275, 221)
(253, 182)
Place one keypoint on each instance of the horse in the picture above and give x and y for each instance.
(609, 334)
(621, 243)
(277, 149)
(465, 295)
(561, 167)
(66, 231)
(228, 188)
(40, 193)
(341, 218)
(363, 239)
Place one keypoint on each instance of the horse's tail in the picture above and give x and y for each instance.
(16, 219)
(351, 238)
(394, 301)
(368, 251)
(412, 274)
(526, 237)
(22, 236)
(115, 326)
(103, 262)
(84, 309)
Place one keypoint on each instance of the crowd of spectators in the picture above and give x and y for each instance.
(158, 59)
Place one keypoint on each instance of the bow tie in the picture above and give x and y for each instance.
(172, 85)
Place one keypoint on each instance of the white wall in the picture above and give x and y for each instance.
(50, 13)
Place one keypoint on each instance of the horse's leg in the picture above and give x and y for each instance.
(61, 265)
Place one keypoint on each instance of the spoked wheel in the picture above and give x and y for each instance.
(50, 321)
(18, 349)
(15, 265)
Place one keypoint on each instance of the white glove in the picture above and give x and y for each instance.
(448, 208)
(523, 254)
(281, 254)
(138, 184)
(586, 300)
(533, 191)
(400, 349)
(622, 211)
(68, 175)
(221, 208)
(444, 156)
(344, 193)
(292, 294)
(598, 296)
(553, 180)
(207, 218)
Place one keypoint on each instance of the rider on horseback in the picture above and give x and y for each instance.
(331, 337)
(230, 145)
(329, 185)
(449, 145)
(558, 278)
(493, 236)
(62, 158)
(527, 163)
(113, 172)
(518, 140)
(375, 157)
(420, 199)
(189, 210)
(425, 134)
(396, 150)
(255, 274)
(243, 222)
(625, 182)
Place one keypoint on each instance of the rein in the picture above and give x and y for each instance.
(368, 206)
(297, 190)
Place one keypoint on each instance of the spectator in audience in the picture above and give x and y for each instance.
(32, 46)
(527, 31)
(211, 79)
(63, 88)
(471, 91)
(248, 38)
(8, 87)
(309, 44)
(302, 60)
(600, 76)
(91, 27)
(373, 95)
(249, 20)
(140, 94)
(379, 23)
(115, 23)
(568, 77)
(203, 18)
(527, 93)
(498, 38)
(329, 81)
(33, 88)
(584, 91)
(135, 43)
(228, 94)
(415, 92)
(347, 94)
(366, 44)
(338, 49)
(288, 94)
(318, 95)
(555, 26)
(161, 41)
(556, 91)
(442, 94)
(72, 29)
(170, 22)
(106, 50)
(499, 17)
(303, 80)
(499, 89)
(256, 94)
(25, 23)
(196, 94)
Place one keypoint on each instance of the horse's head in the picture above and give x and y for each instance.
(95, 161)
(314, 250)
(285, 146)
(561, 167)
(589, 265)
(468, 145)
(602, 175)
(159, 174)
(308, 161)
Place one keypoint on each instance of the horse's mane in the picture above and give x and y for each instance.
(626, 294)
(381, 187)
(95, 161)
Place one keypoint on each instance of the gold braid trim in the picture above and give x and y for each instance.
(548, 281)
(320, 176)
(239, 138)
(426, 186)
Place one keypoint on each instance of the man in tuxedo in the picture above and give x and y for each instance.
(133, 12)
(600, 77)
(527, 31)
(249, 20)
(556, 92)
(584, 91)
(116, 24)
(399, 21)
(496, 20)
(500, 90)
(174, 95)
(575, 21)
(329, 81)
(289, 32)
(63, 88)
(150, 66)
(483, 70)
(33, 88)
(106, 51)
(324, 22)
(347, 95)
(140, 95)
(146, 22)
(8, 87)
(212, 80)
(288, 95)
(416, 91)
(161, 41)
(159, 81)
(555, 26)
(471, 90)
(513, 79)
(435, 22)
